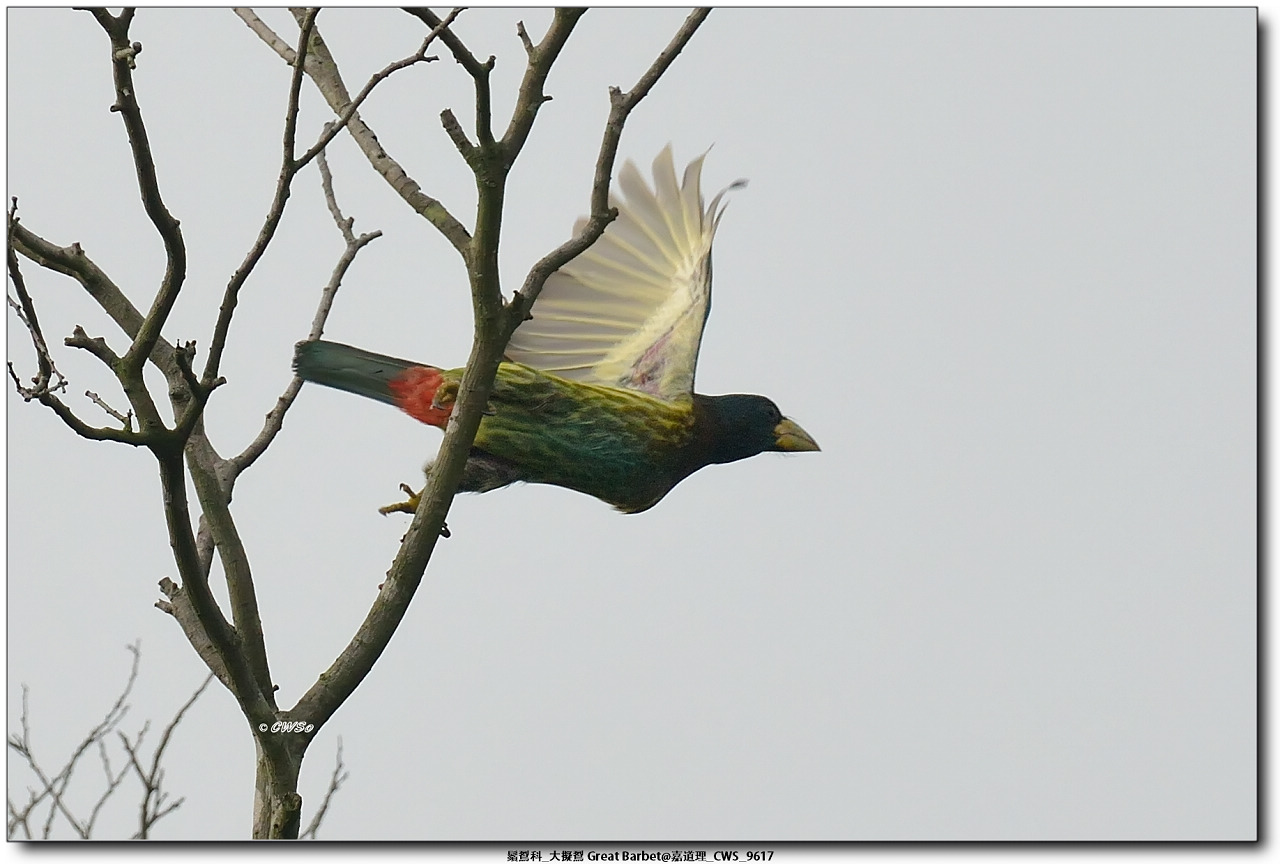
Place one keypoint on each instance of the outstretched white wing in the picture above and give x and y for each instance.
(629, 311)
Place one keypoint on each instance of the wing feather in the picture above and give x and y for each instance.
(629, 311)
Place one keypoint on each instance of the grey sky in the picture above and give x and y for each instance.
(1000, 263)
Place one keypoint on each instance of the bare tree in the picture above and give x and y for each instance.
(235, 649)
(50, 796)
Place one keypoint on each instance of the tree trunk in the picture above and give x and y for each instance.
(277, 806)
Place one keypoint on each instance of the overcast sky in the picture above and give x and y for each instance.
(1000, 263)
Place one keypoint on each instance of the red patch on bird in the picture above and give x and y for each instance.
(414, 390)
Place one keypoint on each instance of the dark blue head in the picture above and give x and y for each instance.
(741, 425)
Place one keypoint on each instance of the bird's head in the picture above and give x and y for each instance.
(744, 425)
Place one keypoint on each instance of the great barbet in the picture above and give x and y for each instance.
(596, 390)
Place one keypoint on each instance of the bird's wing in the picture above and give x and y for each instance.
(629, 311)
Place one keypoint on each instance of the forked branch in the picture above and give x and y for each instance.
(123, 62)
(323, 71)
(479, 72)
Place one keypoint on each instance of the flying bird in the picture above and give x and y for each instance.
(595, 392)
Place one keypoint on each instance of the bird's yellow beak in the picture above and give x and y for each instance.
(790, 438)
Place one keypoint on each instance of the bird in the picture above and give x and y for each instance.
(595, 392)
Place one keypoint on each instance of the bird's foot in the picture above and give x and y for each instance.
(410, 506)
(446, 394)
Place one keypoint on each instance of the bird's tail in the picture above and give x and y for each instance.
(409, 386)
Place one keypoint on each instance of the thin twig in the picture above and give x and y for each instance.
(152, 808)
(153, 803)
(275, 417)
(291, 166)
(95, 433)
(43, 387)
(336, 780)
(478, 71)
(538, 65)
(284, 181)
(344, 223)
(48, 379)
(55, 788)
(74, 262)
(126, 420)
(232, 651)
(113, 782)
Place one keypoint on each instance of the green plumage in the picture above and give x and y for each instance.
(621, 446)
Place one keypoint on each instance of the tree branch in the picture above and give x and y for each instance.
(97, 346)
(179, 605)
(213, 482)
(324, 72)
(152, 809)
(44, 388)
(113, 782)
(622, 104)
(350, 668)
(237, 654)
(454, 130)
(123, 61)
(420, 56)
(72, 261)
(45, 380)
(478, 71)
(126, 420)
(541, 57)
(284, 182)
(602, 214)
(265, 33)
(257, 706)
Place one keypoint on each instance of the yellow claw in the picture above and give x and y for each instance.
(410, 506)
(446, 394)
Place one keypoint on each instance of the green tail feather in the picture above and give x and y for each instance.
(350, 369)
